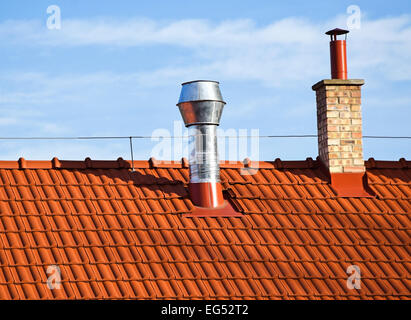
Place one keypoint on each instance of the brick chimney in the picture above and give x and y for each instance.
(339, 123)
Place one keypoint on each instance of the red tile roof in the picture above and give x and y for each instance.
(117, 234)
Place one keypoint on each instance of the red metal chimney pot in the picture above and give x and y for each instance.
(338, 54)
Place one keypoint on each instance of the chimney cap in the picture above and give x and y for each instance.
(200, 90)
(337, 32)
(199, 81)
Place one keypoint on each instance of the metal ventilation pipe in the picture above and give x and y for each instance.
(201, 106)
(338, 54)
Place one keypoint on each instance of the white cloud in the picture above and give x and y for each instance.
(290, 49)
(137, 32)
(6, 121)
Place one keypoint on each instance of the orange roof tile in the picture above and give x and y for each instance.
(117, 234)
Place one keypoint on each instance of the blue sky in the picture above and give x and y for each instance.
(115, 69)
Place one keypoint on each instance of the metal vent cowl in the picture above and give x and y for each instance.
(201, 105)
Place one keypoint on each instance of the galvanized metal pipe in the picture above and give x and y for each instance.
(203, 154)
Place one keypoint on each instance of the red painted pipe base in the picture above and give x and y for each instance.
(208, 201)
(225, 210)
(206, 194)
(350, 184)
